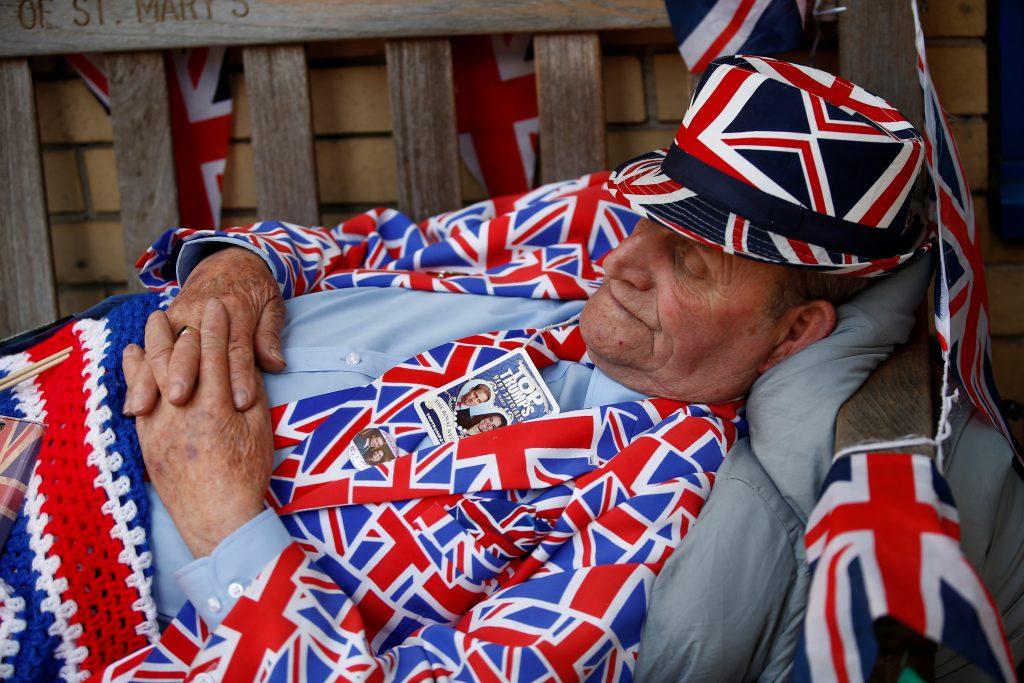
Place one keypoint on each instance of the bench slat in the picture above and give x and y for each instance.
(31, 28)
(141, 121)
(277, 80)
(571, 100)
(422, 96)
(29, 296)
(876, 51)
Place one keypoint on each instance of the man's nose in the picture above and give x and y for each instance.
(634, 258)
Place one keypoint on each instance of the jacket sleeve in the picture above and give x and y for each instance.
(289, 606)
(299, 257)
(303, 259)
(722, 608)
(215, 582)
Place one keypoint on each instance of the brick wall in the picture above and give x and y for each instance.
(646, 91)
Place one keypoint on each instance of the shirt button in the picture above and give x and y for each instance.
(353, 358)
(213, 604)
(204, 678)
(235, 590)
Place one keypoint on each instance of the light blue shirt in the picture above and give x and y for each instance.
(336, 340)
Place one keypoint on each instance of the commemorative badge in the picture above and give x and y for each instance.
(507, 391)
(371, 447)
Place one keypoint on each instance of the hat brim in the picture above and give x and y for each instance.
(655, 195)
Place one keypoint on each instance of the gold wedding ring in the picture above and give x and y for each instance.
(185, 329)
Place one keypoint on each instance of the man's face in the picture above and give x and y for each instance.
(476, 396)
(376, 441)
(680, 320)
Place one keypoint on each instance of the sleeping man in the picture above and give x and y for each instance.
(528, 552)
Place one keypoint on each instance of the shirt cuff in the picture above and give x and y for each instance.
(214, 583)
(194, 251)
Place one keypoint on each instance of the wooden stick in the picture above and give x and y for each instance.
(37, 370)
(31, 371)
(29, 368)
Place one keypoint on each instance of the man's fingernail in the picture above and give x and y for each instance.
(276, 353)
(177, 390)
(127, 410)
(136, 404)
(241, 398)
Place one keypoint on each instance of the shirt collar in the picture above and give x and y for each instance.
(603, 391)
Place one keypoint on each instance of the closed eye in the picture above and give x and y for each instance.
(690, 264)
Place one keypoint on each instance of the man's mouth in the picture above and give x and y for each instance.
(622, 304)
(618, 302)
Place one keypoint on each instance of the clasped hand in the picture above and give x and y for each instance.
(242, 282)
(208, 454)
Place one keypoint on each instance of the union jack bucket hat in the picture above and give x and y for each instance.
(786, 164)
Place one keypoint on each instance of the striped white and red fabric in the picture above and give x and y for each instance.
(884, 540)
(200, 105)
(961, 296)
(496, 107)
(708, 29)
(496, 103)
(92, 69)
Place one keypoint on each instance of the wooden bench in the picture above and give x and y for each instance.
(875, 50)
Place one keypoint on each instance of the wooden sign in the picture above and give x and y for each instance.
(32, 27)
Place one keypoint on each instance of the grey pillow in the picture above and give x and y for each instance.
(792, 407)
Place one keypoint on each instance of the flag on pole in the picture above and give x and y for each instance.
(200, 98)
(200, 106)
(884, 540)
(20, 441)
(707, 29)
(496, 110)
(92, 69)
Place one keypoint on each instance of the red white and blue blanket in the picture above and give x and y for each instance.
(75, 572)
(526, 553)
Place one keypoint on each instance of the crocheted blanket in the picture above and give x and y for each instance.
(74, 573)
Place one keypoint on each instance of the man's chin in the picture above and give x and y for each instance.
(612, 351)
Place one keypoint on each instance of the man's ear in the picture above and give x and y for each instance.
(800, 327)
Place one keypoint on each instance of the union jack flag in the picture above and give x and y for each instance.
(91, 68)
(496, 110)
(200, 106)
(961, 297)
(884, 539)
(19, 443)
(707, 29)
